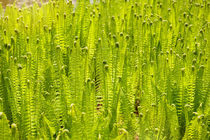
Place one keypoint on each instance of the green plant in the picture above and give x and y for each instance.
(114, 69)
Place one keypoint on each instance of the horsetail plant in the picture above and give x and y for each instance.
(111, 69)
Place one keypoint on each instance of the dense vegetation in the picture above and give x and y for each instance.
(114, 69)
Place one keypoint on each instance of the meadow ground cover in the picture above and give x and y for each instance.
(110, 70)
